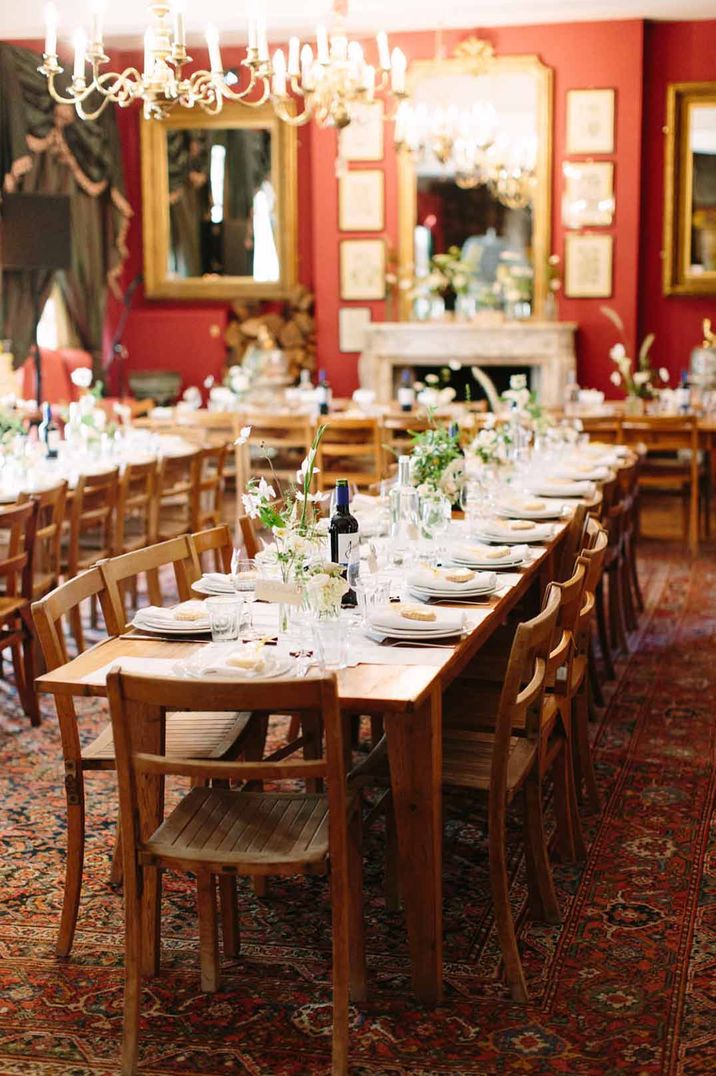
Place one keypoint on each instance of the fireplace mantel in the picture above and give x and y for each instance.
(548, 346)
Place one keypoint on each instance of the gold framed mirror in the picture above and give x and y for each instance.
(690, 189)
(519, 89)
(219, 204)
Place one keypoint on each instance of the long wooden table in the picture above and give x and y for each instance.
(410, 700)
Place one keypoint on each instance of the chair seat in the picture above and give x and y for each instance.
(467, 760)
(10, 606)
(251, 832)
(203, 734)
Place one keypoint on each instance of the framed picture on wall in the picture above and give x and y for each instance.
(362, 269)
(352, 321)
(590, 121)
(588, 197)
(361, 201)
(588, 266)
(362, 139)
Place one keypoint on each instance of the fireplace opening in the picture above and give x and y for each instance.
(465, 385)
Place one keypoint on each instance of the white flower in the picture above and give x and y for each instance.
(244, 434)
(302, 472)
(208, 381)
(251, 504)
(455, 364)
(641, 377)
(81, 377)
(615, 377)
(265, 491)
(663, 374)
(432, 379)
(87, 404)
(312, 498)
(446, 396)
(618, 352)
(99, 418)
(518, 381)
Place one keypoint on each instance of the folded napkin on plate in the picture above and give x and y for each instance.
(440, 578)
(219, 581)
(561, 487)
(184, 613)
(481, 553)
(403, 616)
(503, 528)
(584, 472)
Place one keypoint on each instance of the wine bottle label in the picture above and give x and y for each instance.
(53, 440)
(406, 396)
(347, 547)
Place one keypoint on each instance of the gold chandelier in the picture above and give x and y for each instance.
(327, 87)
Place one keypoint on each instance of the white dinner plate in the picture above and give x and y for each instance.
(378, 634)
(550, 511)
(201, 669)
(539, 534)
(169, 627)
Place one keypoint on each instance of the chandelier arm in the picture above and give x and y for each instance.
(293, 119)
(124, 86)
(84, 115)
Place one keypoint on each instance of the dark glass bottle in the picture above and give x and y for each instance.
(454, 432)
(406, 392)
(48, 432)
(325, 393)
(344, 534)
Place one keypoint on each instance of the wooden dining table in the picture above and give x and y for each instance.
(409, 698)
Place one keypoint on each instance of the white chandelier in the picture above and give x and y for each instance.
(470, 143)
(327, 87)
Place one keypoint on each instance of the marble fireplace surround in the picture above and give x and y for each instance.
(546, 346)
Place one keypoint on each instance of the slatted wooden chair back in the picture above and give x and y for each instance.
(135, 507)
(18, 523)
(350, 448)
(601, 428)
(118, 572)
(48, 536)
(92, 520)
(212, 548)
(610, 492)
(559, 662)
(177, 482)
(573, 539)
(139, 704)
(54, 610)
(662, 433)
(208, 491)
(286, 439)
(396, 435)
(249, 537)
(523, 689)
(592, 557)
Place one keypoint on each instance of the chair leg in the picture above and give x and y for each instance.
(208, 932)
(602, 633)
(616, 627)
(391, 880)
(569, 836)
(230, 929)
(583, 763)
(356, 924)
(116, 870)
(132, 976)
(542, 896)
(504, 924)
(74, 787)
(630, 616)
(634, 576)
(594, 676)
(341, 985)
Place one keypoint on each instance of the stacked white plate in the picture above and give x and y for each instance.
(515, 531)
(563, 487)
(532, 508)
(583, 472)
(482, 556)
(387, 622)
(165, 621)
(212, 583)
(212, 662)
(427, 583)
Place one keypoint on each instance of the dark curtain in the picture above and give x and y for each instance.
(46, 148)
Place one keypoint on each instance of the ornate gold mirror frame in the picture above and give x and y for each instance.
(685, 225)
(159, 282)
(475, 57)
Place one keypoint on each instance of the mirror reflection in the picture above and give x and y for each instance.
(222, 204)
(702, 148)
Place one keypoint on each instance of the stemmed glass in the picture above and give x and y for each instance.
(435, 516)
(244, 573)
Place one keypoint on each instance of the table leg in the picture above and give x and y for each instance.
(415, 753)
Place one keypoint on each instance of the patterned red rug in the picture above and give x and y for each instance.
(627, 983)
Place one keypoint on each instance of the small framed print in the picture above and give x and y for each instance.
(352, 321)
(588, 266)
(361, 200)
(590, 121)
(362, 269)
(362, 139)
(588, 197)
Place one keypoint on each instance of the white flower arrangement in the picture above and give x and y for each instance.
(639, 381)
(324, 589)
(81, 377)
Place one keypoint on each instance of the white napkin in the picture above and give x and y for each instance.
(584, 473)
(481, 553)
(389, 618)
(437, 580)
(219, 581)
(564, 487)
(169, 616)
(503, 529)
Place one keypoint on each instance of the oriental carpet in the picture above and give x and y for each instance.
(626, 984)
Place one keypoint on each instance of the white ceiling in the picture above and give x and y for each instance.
(125, 19)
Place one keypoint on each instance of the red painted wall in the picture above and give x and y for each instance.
(675, 52)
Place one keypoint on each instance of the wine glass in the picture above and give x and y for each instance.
(244, 573)
(435, 516)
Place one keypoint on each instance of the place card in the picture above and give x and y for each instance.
(273, 590)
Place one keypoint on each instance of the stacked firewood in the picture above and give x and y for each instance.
(293, 329)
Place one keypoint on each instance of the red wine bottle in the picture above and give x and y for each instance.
(344, 533)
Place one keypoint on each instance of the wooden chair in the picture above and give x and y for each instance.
(47, 560)
(198, 735)
(671, 464)
(350, 448)
(628, 480)
(92, 508)
(285, 439)
(18, 523)
(134, 516)
(495, 766)
(249, 537)
(178, 479)
(396, 439)
(573, 540)
(207, 498)
(215, 541)
(252, 833)
(118, 572)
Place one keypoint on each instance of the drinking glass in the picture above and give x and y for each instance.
(435, 516)
(224, 617)
(244, 573)
(330, 641)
